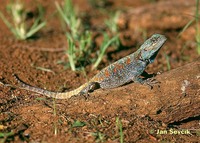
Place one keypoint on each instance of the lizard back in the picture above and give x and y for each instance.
(120, 72)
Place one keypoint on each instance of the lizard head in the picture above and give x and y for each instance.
(150, 48)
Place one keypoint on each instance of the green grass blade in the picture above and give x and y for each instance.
(36, 29)
(78, 123)
(103, 48)
(168, 61)
(197, 27)
(8, 24)
(71, 53)
(119, 126)
(185, 27)
(35, 24)
(62, 14)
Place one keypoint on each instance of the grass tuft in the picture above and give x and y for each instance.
(80, 44)
(99, 137)
(196, 20)
(19, 26)
(119, 126)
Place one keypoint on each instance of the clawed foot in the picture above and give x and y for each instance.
(84, 94)
(151, 82)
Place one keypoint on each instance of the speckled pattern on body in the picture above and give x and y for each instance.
(120, 72)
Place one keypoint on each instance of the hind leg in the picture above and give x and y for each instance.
(90, 88)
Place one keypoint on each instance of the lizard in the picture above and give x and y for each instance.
(125, 70)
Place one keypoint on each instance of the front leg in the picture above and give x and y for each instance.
(149, 81)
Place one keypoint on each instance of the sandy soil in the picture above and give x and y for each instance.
(147, 115)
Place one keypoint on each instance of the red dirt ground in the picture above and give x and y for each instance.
(31, 118)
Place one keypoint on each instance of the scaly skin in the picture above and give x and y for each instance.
(120, 72)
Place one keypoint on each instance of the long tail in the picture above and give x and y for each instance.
(57, 95)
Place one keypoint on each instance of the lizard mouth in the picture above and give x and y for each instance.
(151, 59)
